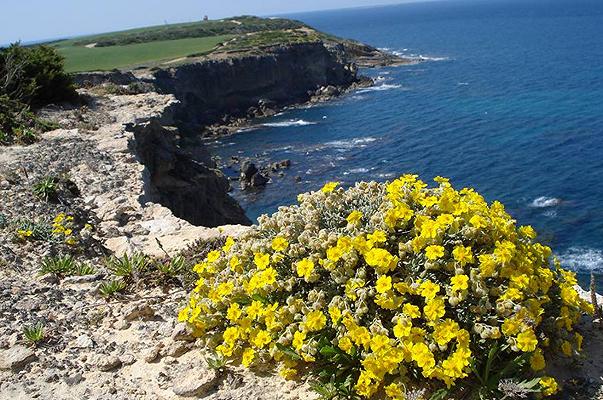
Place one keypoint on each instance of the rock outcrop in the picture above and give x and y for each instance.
(209, 90)
(183, 177)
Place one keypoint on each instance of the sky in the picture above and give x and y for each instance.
(32, 20)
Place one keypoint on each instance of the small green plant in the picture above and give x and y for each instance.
(111, 288)
(34, 334)
(47, 188)
(61, 266)
(27, 229)
(173, 267)
(218, 362)
(126, 266)
(83, 269)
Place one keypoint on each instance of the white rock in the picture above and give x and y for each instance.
(196, 383)
(16, 357)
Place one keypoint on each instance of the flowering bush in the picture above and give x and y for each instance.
(384, 289)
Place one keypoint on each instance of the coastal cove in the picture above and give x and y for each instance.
(515, 116)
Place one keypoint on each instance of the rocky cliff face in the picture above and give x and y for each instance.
(209, 90)
(184, 178)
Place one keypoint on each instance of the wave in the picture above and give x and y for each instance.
(544, 202)
(356, 171)
(418, 57)
(379, 88)
(582, 259)
(351, 143)
(292, 122)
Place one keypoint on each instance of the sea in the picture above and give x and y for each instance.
(507, 98)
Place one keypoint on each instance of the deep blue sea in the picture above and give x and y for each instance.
(509, 101)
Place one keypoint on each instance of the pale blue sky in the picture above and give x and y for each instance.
(30, 20)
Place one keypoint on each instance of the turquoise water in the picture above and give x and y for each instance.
(509, 101)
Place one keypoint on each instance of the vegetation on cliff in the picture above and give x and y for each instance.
(30, 77)
(153, 46)
(393, 289)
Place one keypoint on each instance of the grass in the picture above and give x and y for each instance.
(65, 266)
(80, 58)
(47, 188)
(111, 288)
(34, 334)
(199, 29)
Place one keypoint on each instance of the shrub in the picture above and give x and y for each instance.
(34, 75)
(387, 290)
(30, 77)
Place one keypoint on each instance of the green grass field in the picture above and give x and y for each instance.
(80, 58)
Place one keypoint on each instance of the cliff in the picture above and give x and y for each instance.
(209, 90)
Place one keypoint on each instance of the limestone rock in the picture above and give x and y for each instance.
(196, 383)
(182, 333)
(16, 358)
(106, 363)
(137, 311)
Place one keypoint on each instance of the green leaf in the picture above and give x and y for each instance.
(288, 351)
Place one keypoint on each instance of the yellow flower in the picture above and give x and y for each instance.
(354, 217)
(329, 187)
(537, 362)
(549, 385)
(527, 341)
(345, 344)
(411, 310)
(315, 321)
(402, 328)
(287, 373)
(304, 268)
(335, 314)
(213, 256)
(434, 252)
(230, 335)
(566, 348)
(261, 339)
(428, 289)
(381, 260)
(228, 244)
(261, 260)
(279, 244)
(394, 392)
(377, 237)
(248, 356)
(298, 340)
(434, 309)
(234, 312)
(459, 282)
(463, 255)
(383, 284)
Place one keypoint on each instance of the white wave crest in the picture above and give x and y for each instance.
(379, 88)
(351, 143)
(582, 259)
(356, 171)
(544, 202)
(291, 122)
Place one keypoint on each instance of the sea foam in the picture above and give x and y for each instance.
(582, 259)
(292, 122)
(544, 202)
